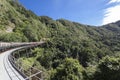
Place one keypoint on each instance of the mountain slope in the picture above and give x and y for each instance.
(64, 39)
(19, 24)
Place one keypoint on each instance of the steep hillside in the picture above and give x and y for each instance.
(15, 21)
(81, 47)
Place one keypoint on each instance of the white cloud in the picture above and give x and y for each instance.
(114, 1)
(112, 14)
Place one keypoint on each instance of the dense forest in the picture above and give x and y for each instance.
(72, 51)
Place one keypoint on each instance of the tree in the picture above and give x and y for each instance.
(88, 73)
(30, 33)
(108, 69)
(69, 70)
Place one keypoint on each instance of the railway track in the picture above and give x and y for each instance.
(7, 70)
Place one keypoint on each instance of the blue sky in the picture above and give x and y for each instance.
(91, 12)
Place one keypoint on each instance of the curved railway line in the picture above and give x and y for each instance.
(7, 68)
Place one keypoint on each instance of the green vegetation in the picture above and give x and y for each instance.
(71, 68)
(72, 51)
(108, 69)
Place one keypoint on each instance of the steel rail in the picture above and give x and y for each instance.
(12, 69)
(6, 68)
